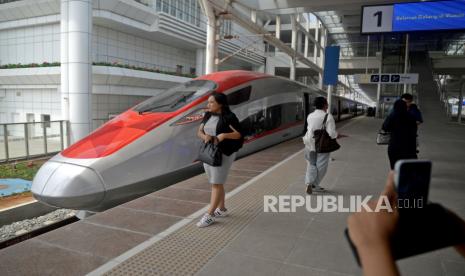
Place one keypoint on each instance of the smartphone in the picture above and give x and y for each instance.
(412, 178)
(433, 228)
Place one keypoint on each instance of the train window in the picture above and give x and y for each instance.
(291, 113)
(174, 98)
(239, 96)
(272, 118)
(254, 124)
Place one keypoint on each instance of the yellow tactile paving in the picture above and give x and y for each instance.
(187, 250)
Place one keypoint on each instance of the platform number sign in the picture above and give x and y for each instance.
(379, 15)
(377, 19)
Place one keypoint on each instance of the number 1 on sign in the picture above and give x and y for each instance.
(379, 14)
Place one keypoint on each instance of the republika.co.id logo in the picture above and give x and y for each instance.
(332, 203)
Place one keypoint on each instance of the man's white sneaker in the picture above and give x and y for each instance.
(219, 213)
(206, 220)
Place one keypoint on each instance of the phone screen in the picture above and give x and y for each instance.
(412, 181)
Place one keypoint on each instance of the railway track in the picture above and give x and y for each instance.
(37, 232)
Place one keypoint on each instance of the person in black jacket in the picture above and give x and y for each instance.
(220, 125)
(403, 128)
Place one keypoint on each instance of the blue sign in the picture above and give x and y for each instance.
(429, 16)
(331, 69)
(395, 78)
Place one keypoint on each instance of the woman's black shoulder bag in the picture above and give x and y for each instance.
(210, 154)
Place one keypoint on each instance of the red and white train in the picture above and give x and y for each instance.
(154, 144)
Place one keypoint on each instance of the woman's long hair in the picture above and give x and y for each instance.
(400, 107)
(221, 99)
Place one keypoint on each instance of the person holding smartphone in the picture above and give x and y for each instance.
(372, 234)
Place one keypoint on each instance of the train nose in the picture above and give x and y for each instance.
(68, 186)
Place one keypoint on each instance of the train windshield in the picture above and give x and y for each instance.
(176, 97)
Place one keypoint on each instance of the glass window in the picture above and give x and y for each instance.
(179, 69)
(239, 96)
(174, 98)
(173, 7)
(272, 118)
(192, 12)
(165, 6)
(46, 119)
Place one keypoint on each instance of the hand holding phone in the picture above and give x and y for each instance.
(412, 178)
(417, 231)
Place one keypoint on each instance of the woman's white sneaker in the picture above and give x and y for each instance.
(219, 213)
(206, 220)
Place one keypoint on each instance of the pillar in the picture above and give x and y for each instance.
(294, 47)
(211, 55)
(76, 69)
(200, 62)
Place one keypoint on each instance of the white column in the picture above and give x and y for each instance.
(317, 38)
(329, 97)
(277, 30)
(212, 47)
(278, 27)
(460, 103)
(64, 61)
(307, 28)
(77, 67)
(253, 16)
(406, 59)
(293, 45)
(368, 54)
(200, 62)
(322, 56)
(378, 92)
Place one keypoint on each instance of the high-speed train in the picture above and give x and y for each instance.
(154, 144)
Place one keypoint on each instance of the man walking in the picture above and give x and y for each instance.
(317, 163)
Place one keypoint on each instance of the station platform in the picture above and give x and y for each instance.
(156, 234)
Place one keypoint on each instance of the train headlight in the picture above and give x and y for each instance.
(190, 118)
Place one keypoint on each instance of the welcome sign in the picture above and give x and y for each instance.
(428, 16)
(418, 16)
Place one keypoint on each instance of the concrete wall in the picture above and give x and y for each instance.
(115, 46)
(30, 44)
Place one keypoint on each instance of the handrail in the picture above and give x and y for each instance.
(32, 139)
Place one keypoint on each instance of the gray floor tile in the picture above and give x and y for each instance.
(420, 266)
(231, 263)
(323, 255)
(453, 268)
(257, 243)
(37, 258)
(328, 230)
(282, 225)
(297, 270)
(450, 254)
